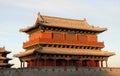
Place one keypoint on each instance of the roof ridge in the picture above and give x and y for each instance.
(63, 18)
(63, 22)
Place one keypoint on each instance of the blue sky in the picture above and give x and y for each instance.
(16, 14)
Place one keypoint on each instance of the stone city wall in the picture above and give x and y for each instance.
(60, 71)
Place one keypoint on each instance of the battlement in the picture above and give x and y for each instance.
(60, 71)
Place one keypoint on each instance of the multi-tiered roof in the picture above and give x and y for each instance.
(67, 38)
(4, 59)
(63, 23)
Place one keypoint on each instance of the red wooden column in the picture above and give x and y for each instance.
(68, 62)
(27, 63)
(30, 63)
(97, 63)
(40, 62)
(37, 62)
(21, 64)
(33, 63)
(54, 62)
(44, 62)
(79, 63)
(101, 63)
(106, 63)
(93, 63)
(63, 63)
(89, 63)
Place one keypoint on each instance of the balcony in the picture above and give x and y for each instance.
(62, 42)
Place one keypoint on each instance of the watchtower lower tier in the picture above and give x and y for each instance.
(56, 55)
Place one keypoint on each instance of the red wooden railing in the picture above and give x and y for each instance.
(62, 42)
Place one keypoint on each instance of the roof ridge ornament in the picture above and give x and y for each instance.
(84, 19)
(40, 19)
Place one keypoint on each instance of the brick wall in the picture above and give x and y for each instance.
(61, 71)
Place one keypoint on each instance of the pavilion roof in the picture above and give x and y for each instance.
(5, 58)
(2, 50)
(5, 64)
(66, 51)
(63, 23)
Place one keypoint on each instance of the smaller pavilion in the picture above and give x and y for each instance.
(4, 59)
